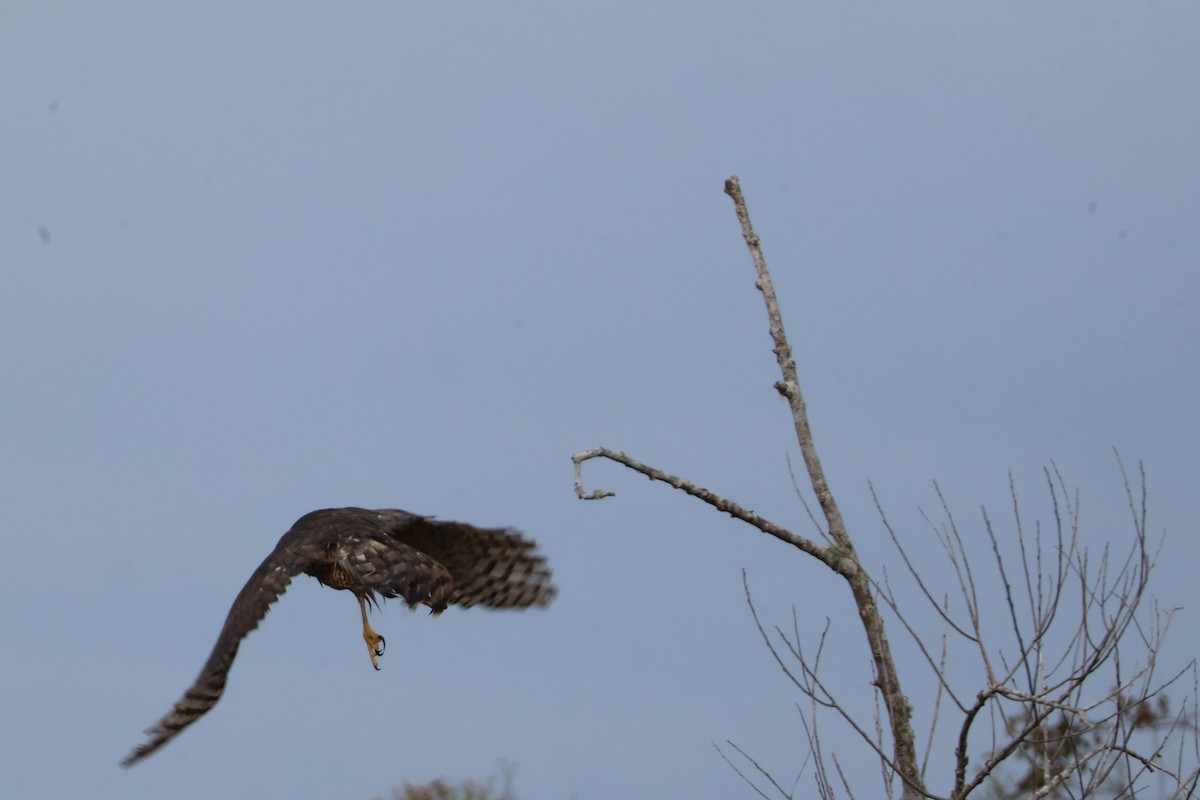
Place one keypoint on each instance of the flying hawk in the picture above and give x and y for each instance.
(384, 552)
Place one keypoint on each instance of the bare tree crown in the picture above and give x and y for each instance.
(1065, 700)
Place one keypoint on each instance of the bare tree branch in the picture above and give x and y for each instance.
(898, 708)
(827, 555)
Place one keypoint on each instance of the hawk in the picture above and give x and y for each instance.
(384, 552)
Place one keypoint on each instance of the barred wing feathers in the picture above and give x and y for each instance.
(492, 567)
(265, 586)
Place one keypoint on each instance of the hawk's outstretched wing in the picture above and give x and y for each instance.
(269, 581)
(385, 552)
(492, 567)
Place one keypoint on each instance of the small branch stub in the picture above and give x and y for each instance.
(579, 458)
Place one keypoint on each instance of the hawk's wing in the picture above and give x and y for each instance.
(269, 581)
(494, 567)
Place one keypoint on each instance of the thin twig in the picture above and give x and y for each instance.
(827, 555)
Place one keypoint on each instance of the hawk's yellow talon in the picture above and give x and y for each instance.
(375, 642)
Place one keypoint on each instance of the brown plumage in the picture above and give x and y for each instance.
(385, 552)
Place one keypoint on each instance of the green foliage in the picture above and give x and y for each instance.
(1064, 745)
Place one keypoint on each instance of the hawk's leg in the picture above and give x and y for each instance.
(375, 642)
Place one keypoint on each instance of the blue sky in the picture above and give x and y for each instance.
(260, 259)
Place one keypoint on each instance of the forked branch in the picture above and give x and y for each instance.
(716, 501)
(841, 555)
